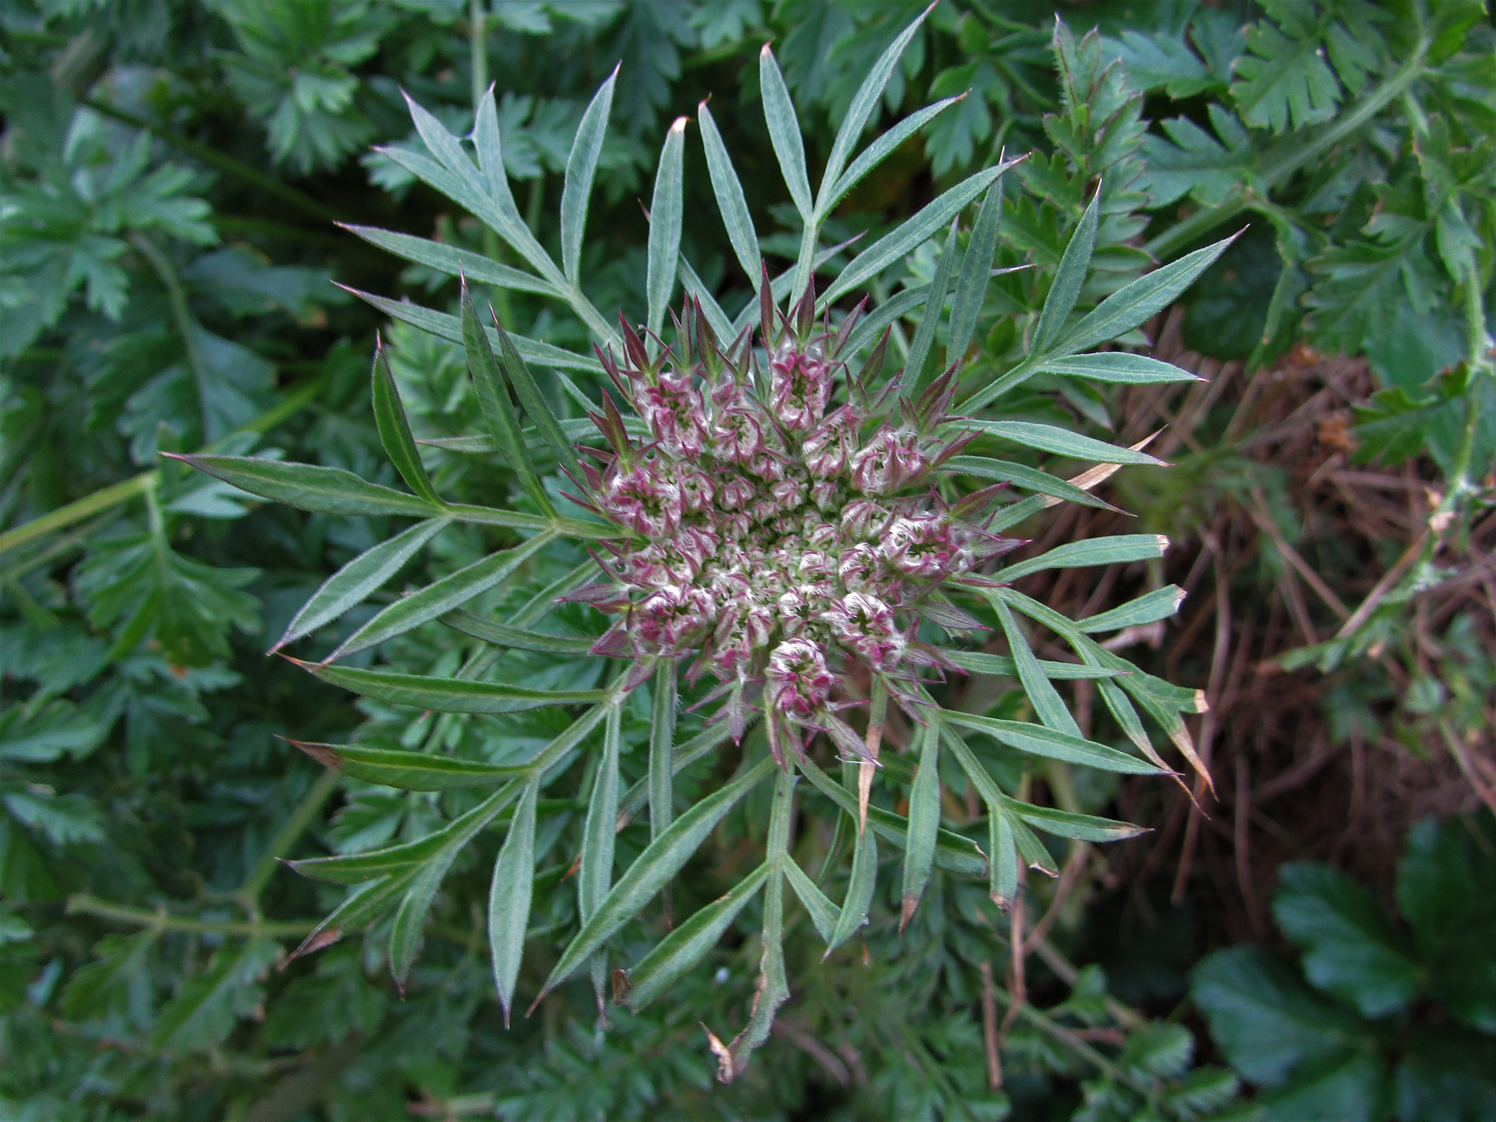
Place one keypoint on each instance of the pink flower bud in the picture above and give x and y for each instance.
(799, 683)
(864, 519)
(737, 435)
(799, 384)
(675, 413)
(788, 493)
(866, 625)
(888, 462)
(827, 450)
(643, 501)
(696, 491)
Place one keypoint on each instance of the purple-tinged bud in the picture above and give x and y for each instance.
(859, 565)
(696, 491)
(799, 683)
(794, 612)
(675, 413)
(866, 625)
(766, 465)
(827, 450)
(926, 546)
(735, 492)
(737, 436)
(864, 519)
(642, 501)
(799, 384)
(788, 493)
(890, 460)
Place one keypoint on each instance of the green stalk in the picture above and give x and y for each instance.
(1243, 197)
(84, 904)
(86, 507)
(285, 838)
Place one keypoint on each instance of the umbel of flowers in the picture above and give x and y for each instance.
(785, 535)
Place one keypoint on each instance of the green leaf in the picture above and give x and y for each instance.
(664, 226)
(323, 490)
(407, 933)
(1159, 604)
(1041, 692)
(1068, 278)
(924, 334)
(1115, 550)
(880, 149)
(661, 744)
(364, 904)
(730, 200)
(1446, 888)
(595, 873)
(1351, 949)
(537, 408)
(660, 861)
(517, 638)
(784, 133)
(1062, 442)
(488, 144)
(581, 166)
(912, 233)
(1005, 471)
(980, 662)
(454, 261)
(952, 851)
(823, 913)
(448, 695)
(1265, 1020)
(440, 597)
(1283, 80)
(509, 897)
(102, 985)
(408, 771)
(1194, 163)
(208, 1005)
(688, 944)
(1003, 880)
(353, 583)
(1040, 741)
(864, 102)
(1116, 366)
(498, 410)
(700, 745)
(449, 327)
(853, 914)
(1067, 824)
(394, 430)
(976, 271)
(924, 823)
(1140, 300)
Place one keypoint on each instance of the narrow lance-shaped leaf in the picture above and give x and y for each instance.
(1115, 550)
(1041, 692)
(730, 200)
(976, 271)
(661, 745)
(1068, 278)
(537, 408)
(407, 771)
(1040, 741)
(517, 638)
(595, 873)
(784, 133)
(410, 919)
(823, 913)
(440, 597)
(853, 914)
(512, 228)
(581, 166)
(509, 897)
(980, 662)
(880, 149)
(498, 410)
(657, 864)
(447, 695)
(1062, 442)
(664, 227)
(914, 231)
(353, 583)
(1005, 471)
(1080, 827)
(322, 490)
(689, 943)
(364, 904)
(1118, 367)
(864, 102)
(454, 261)
(1002, 884)
(924, 334)
(924, 823)
(1159, 604)
(1141, 300)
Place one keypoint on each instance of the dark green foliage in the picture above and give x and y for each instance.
(1356, 1042)
(168, 174)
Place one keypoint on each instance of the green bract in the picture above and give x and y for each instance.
(833, 552)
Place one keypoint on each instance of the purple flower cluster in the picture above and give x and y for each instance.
(778, 539)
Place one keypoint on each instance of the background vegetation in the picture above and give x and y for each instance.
(1311, 941)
